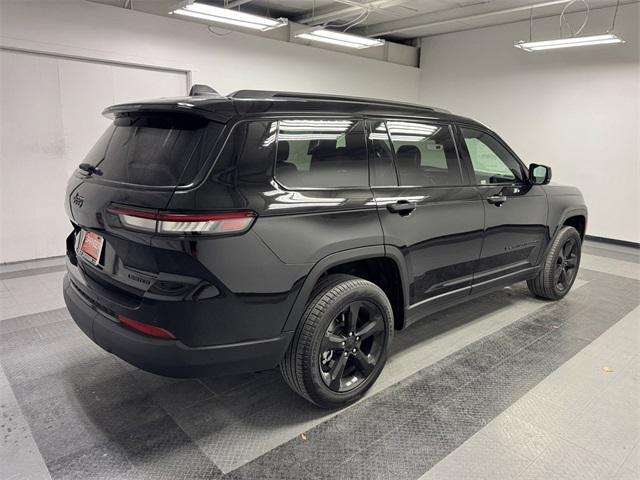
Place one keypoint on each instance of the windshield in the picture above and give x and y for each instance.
(154, 149)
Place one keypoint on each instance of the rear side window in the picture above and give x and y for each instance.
(314, 153)
(425, 153)
(245, 161)
(248, 154)
(155, 150)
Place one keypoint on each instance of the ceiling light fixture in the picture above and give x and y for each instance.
(204, 11)
(338, 38)
(602, 39)
(573, 40)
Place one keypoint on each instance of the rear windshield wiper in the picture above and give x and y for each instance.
(90, 169)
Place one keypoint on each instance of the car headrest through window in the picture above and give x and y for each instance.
(283, 151)
(409, 156)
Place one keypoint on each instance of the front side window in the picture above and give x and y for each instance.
(492, 162)
(316, 153)
(425, 153)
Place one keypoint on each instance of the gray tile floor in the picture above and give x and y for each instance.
(502, 387)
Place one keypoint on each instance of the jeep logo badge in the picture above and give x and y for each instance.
(78, 200)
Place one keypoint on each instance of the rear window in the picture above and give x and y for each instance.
(155, 150)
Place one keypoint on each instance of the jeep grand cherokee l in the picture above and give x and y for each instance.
(216, 235)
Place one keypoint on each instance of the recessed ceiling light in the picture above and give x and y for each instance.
(204, 11)
(604, 38)
(338, 38)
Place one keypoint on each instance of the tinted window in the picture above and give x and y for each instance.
(492, 162)
(383, 172)
(425, 153)
(248, 154)
(321, 153)
(245, 160)
(156, 150)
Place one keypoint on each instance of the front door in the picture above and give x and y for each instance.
(515, 211)
(426, 210)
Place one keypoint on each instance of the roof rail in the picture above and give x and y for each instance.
(266, 94)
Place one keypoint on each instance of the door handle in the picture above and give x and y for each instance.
(497, 200)
(402, 207)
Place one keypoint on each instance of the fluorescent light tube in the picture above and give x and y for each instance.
(301, 137)
(204, 11)
(315, 125)
(569, 42)
(339, 38)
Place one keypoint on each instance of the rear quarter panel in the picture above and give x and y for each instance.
(307, 225)
(254, 289)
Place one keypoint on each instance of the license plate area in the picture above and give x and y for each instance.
(91, 247)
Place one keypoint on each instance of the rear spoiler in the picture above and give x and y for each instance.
(183, 106)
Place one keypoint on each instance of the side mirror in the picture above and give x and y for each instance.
(539, 174)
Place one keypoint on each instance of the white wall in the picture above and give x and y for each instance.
(228, 63)
(577, 110)
(50, 106)
(50, 117)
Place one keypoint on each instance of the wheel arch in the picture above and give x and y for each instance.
(577, 215)
(577, 221)
(358, 261)
(568, 217)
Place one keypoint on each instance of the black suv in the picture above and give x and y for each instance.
(217, 235)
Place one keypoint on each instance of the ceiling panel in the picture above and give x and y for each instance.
(454, 16)
(389, 18)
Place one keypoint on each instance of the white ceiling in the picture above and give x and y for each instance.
(390, 19)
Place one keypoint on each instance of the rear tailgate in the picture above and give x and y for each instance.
(126, 260)
(138, 163)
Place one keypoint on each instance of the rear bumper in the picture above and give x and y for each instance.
(171, 357)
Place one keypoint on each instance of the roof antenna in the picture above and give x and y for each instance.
(201, 90)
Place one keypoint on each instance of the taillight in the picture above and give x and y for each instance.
(146, 329)
(178, 223)
(204, 223)
(136, 219)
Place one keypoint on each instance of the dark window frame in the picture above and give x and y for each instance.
(355, 118)
(368, 131)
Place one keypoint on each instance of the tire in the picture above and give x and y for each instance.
(564, 254)
(326, 321)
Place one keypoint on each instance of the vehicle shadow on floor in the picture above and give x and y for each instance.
(247, 415)
(102, 401)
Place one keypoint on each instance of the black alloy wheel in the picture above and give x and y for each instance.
(566, 265)
(559, 266)
(341, 344)
(352, 346)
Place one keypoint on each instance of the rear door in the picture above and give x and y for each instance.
(515, 211)
(321, 202)
(427, 211)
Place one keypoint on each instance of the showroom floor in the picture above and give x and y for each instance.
(502, 387)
